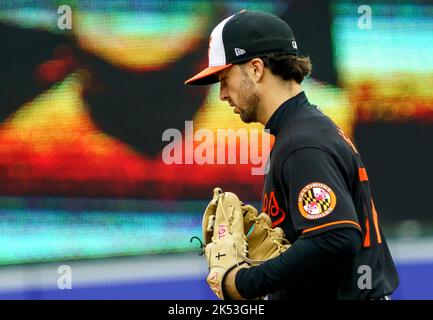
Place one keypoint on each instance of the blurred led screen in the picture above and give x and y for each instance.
(83, 112)
(387, 68)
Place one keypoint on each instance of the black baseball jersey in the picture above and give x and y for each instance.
(316, 184)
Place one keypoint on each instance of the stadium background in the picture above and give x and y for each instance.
(82, 112)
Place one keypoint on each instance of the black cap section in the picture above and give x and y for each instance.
(247, 35)
(251, 34)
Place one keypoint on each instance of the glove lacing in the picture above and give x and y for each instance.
(281, 242)
(244, 252)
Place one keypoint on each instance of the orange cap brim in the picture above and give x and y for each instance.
(207, 76)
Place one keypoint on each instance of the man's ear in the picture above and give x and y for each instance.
(257, 69)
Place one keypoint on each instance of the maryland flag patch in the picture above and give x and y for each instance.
(316, 200)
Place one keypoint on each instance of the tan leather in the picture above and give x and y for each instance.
(264, 242)
(235, 233)
(223, 224)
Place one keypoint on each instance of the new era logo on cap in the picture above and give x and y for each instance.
(244, 36)
(239, 52)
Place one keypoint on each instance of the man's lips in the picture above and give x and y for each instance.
(235, 109)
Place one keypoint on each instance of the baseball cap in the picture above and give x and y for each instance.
(241, 37)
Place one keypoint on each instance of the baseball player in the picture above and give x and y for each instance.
(317, 189)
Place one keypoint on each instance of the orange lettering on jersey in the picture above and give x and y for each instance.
(271, 207)
(348, 141)
(367, 239)
(376, 222)
(367, 234)
(362, 174)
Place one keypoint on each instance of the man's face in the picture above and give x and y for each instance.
(240, 92)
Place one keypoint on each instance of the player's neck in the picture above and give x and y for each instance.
(275, 96)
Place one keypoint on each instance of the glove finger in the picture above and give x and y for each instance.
(229, 217)
(208, 221)
(259, 233)
(222, 256)
(276, 233)
(250, 215)
(268, 249)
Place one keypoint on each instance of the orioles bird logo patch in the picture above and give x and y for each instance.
(316, 200)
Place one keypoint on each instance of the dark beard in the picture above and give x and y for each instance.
(249, 114)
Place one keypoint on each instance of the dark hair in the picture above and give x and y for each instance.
(287, 66)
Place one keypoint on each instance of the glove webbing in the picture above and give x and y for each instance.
(279, 241)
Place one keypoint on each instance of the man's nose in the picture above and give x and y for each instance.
(223, 93)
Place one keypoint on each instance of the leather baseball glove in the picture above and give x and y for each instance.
(235, 235)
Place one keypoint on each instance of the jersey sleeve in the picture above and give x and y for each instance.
(318, 194)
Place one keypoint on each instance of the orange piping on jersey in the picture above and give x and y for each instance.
(367, 234)
(330, 224)
(376, 223)
(362, 174)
